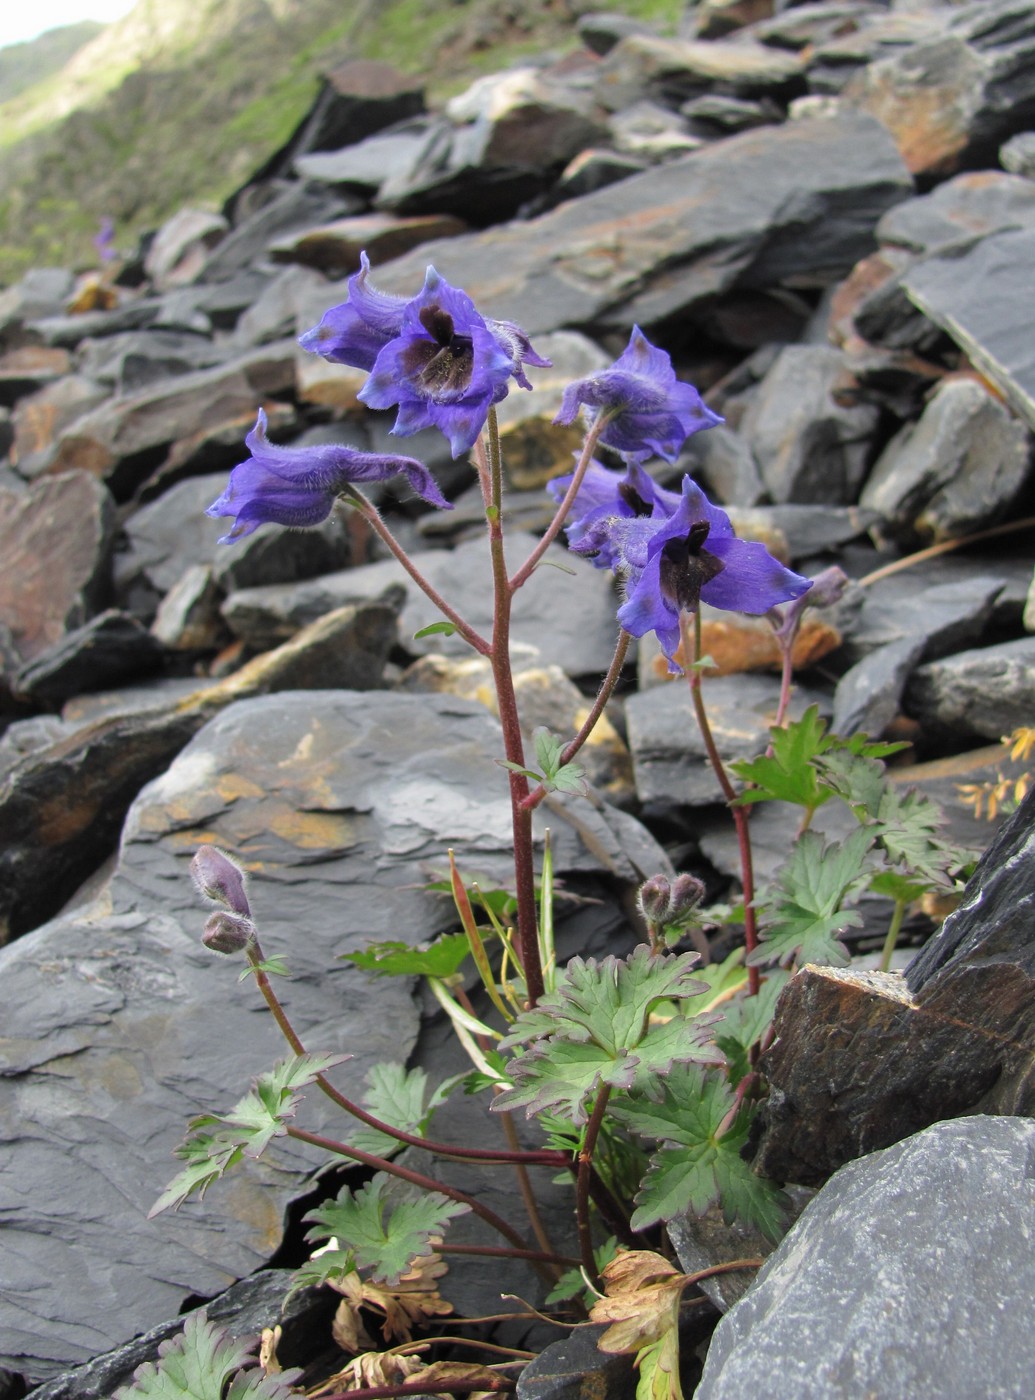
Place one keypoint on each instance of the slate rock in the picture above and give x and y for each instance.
(972, 293)
(947, 616)
(40, 419)
(810, 448)
(651, 133)
(1018, 154)
(867, 697)
(566, 1369)
(292, 206)
(967, 206)
(339, 804)
(674, 70)
(569, 618)
(601, 30)
(366, 166)
(334, 248)
(136, 359)
(983, 693)
(188, 617)
(179, 248)
(796, 201)
(873, 1291)
(42, 291)
(357, 99)
(723, 463)
(55, 540)
(111, 647)
(956, 471)
(592, 169)
(27, 368)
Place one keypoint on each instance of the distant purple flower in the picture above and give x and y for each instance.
(104, 240)
(671, 552)
(298, 485)
(655, 411)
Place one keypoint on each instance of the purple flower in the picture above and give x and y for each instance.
(298, 485)
(654, 411)
(671, 552)
(355, 332)
(104, 240)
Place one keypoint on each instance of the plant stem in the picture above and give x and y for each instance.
(535, 1219)
(544, 1256)
(893, 932)
(369, 511)
(946, 546)
(692, 647)
(589, 1142)
(546, 1157)
(453, 1387)
(589, 724)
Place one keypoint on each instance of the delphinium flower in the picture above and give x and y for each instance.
(104, 240)
(650, 410)
(433, 357)
(671, 552)
(298, 485)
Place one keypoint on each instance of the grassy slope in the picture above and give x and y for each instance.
(179, 102)
(22, 66)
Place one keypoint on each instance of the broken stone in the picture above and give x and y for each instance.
(358, 98)
(965, 207)
(40, 419)
(334, 249)
(674, 71)
(979, 694)
(110, 648)
(294, 206)
(181, 245)
(188, 617)
(28, 368)
(868, 696)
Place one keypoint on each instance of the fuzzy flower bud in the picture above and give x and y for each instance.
(655, 899)
(687, 893)
(227, 933)
(219, 879)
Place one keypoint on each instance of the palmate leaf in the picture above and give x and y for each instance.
(807, 912)
(215, 1143)
(594, 1029)
(386, 1224)
(745, 1020)
(694, 1167)
(909, 828)
(788, 774)
(398, 1096)
(197, 1364)
(394, 958)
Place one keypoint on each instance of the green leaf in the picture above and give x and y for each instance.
(386, 1224)
(245, 1131)
(433, 629)
(197, 1364)
(398, 1096)
(694, 1167)
(572, 1284)
(326, 1266)
(274, 966)
(595, 1029)
(909, 828)
(808, 910)
(396, 959)
(788, 775)
(745, 1021)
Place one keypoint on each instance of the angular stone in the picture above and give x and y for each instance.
(112, 647)
(136, 359)
(367, 165)
(528, 119)
(947, 616)
(651, 133)
(181, 246)
(591, 170)
(118, 1011)
(877, 1281)
(40, 419)
(290, 206)
(728, 214)
(1018, 154)
(61, 808)
(956, 471)
(641, 66)
(55, 541)
(334, 249)
(724, 464)
(718, 115)
(566, 1369)
(188, 617)
(972, 293)
(275, 314)
(27, 368)
(569, 617)
(43, 291)
(868, 696)
(357, 99)
(983, 694)
(737, 642)
(810, 448)
(965, 207)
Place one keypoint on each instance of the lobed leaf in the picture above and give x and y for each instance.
(394, 958)
(197, 1364)
(809, 908)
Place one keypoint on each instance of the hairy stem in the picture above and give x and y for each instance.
(582, 1180)
(892, 937)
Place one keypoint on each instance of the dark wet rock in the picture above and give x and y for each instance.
(294, 206)
(971, 293)
(334, 249)
(796, 201)
(569, 617)
(55, 541)
(957, 470)
(877, 1280)
(338, 831)
(136, 359)
(965, 207)
(566, 1369)
(670, 763)
(979, 694)
(868, 696)
(809, 446)
(180, 247)
(243, 1310)
(62, 806)
(110, 648)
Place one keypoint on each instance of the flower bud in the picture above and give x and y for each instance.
(827, 588)
(655, 899)
(220, 879)
(687, 893)
(227, 933)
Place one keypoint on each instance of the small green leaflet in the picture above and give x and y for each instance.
(806, 911)
(394, 958)
(571, 1283)
(594, 1029)
(694, 1167)
(909, 827)
(386, 1224)
(555, 776)
(788, 775)
(398, 1096)
(217, 1142)
(274, 966)
(326, 1266)
(433, 629)
(744, 1022)
(197, 1364)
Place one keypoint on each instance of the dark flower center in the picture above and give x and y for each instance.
(443, 365)
(633, 499)
(686, 567)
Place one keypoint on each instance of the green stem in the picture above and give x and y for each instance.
(582, 1182)
(893, 932)
(692, 647)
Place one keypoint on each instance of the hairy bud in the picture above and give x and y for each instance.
(655, 899)
(687, 893)
(219, 879)
(228, 933)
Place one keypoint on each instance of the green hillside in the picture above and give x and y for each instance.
(22, 66)
(183, 99)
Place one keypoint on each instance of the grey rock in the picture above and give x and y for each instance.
(946, 616)
(1018, 154)
(978, 294)
(965, 207)
(58, 329)
(984, 693)
(569, 617)
(723, 462)
(591, 170)
(650, 132)
(180, 247)
(39, 420)
(868, 696)
(602, 30)
(674, 70)
(136, 359)
(358, 98)
(188, 617)
(275, 313)
(43, 291)
(566, 1369)
(715, 115)
(292, 206)
(366, 166)
(809, 447)
(216, 306)
(873, 1290)
(110, 648)
(119, 1017)
(956, 471)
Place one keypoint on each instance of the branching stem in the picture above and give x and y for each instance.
(582, 1193)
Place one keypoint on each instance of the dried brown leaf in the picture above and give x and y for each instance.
(408, 1303)
(642, 1303)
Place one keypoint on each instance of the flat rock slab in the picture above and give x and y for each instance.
(120, 1026)
(911, 1273)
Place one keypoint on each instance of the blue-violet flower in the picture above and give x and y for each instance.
(654, 411)
(298, 485)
